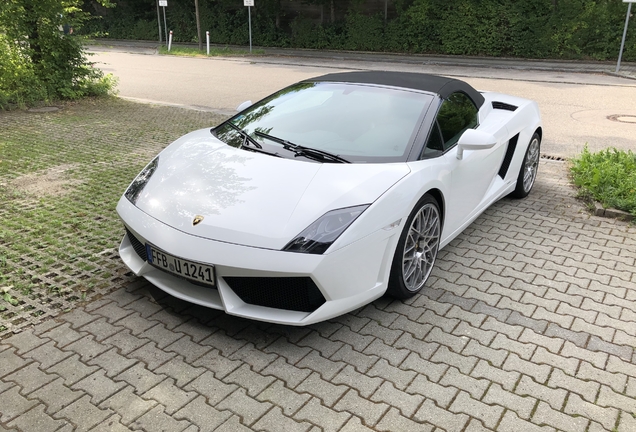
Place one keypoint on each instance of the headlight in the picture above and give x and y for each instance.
(138, 184)
(318, 236)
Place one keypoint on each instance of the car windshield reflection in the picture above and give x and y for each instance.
(360, 123)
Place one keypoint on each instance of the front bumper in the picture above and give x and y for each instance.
(347, 278)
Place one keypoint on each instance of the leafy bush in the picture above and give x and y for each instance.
(364, 32)
(40, 58)
(18, 82)
(608, 177)
(306, 34)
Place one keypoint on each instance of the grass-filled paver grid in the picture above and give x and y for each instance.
(61, 175)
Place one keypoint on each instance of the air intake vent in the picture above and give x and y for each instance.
(138, 246)
(504, 106)
(510, 152)
(290, 293)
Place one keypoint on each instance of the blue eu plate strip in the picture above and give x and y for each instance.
(149, 253)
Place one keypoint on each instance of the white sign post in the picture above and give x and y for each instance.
(249, 4)
(164, 5)
(620, 53)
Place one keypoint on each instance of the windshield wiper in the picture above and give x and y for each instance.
(309, 152)
(245, 135)
(246, 138)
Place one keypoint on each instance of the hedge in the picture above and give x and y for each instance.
(558, 29)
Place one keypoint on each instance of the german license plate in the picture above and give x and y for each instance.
(191, 270)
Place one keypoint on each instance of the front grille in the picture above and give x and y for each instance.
(138, 246)
(290, 293)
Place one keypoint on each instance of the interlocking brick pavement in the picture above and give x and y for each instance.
(528, 324)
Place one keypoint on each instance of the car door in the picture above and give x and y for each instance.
(472, 176)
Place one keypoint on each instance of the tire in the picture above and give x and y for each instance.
(529, 168)
(414, 258)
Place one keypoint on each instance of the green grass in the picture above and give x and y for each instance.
(60, 248)
(608, 176)
(214, 51)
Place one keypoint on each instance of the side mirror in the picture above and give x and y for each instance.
(472, 139)
(244, 105)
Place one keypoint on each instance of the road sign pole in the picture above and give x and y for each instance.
(249, 18)
(163, 4)
(620, 53)
(165, 26)
(249, 4)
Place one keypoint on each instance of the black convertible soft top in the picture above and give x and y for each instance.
(418, 81)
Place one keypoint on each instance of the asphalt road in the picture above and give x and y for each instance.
(577, 108)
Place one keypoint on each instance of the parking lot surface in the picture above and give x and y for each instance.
(528, 324)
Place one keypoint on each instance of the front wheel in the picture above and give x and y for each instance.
(529, 167)
(416, 250)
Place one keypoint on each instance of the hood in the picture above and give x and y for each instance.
(253, 199)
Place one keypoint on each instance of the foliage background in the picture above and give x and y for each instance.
(39, 60)
(567, 29)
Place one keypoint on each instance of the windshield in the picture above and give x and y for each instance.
(360, 123)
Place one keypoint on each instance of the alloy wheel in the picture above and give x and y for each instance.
(421, 246)
(531, 164)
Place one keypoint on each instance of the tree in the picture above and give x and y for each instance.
(196, 12)
(39, 37)
(322, 3)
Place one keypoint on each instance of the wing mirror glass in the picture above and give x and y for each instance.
(244, 105)
(472, 139)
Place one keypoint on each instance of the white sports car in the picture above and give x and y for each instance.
(327, 194)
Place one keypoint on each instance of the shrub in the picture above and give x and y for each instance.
(18, 82)
(39, 57)
(306, 34)
(365, 33)
(608, 176)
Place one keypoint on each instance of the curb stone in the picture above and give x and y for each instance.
(612, 213)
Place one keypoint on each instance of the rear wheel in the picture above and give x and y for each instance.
(529, 167)
(416, 250)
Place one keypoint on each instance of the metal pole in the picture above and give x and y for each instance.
(170, 41)
(165, 26)
(159, 20)
(249, 18)
(620, 53)
(207, 41)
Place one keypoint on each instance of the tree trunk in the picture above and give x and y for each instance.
(333, 12)
(278, 14)
(196, 12)
(386, 10)
(33, 33)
